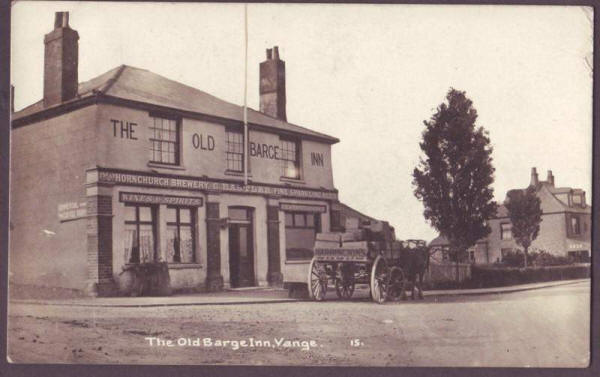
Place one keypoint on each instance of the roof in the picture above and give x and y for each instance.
(140, 85)
(346, 209)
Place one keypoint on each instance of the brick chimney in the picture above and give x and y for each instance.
(272, 85)
(60, 61)
(534, 177)
(550, 178)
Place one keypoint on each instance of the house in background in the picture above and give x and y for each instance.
(565, 229)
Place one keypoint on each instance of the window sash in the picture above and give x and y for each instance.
(290, 159)
(165, 141)
(181, 237)
(140, 240)
(234, 154)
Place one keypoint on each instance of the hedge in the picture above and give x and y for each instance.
(484, 276)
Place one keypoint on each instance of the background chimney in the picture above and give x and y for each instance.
(60, 61)
(272, 85)
(534, 177)
(550, 178)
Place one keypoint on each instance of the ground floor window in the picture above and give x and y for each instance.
(581, 256)
(300, 232)
(140, 233)
(181, 223)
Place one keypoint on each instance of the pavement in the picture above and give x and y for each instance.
(256, 296)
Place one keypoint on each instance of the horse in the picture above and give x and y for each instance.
(414, 261)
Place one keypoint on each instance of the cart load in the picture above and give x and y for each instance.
(364, 254)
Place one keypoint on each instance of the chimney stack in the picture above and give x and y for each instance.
(272, 85)
(550, 178)
(60, 61)
(534, 177)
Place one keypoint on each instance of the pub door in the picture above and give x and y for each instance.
(241, 253)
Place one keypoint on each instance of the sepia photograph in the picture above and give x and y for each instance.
(366, 185)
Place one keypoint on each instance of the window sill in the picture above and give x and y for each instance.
(165, 166)
(237, 173)
(182, 266)
(297, 261)
(292, 180)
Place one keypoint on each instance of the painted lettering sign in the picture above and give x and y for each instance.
(302, 207)
(134, 197)
(201, 184)
(272, 152)
(204, 142)
(72, 210)
(333, 254)
(125, 130)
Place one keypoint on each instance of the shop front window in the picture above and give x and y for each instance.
(180, 235)
(140, 234)
(300, 232)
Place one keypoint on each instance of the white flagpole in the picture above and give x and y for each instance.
(245, 94)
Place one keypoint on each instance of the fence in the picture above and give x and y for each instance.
(441, 272)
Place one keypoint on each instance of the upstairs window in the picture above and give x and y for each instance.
(235, 151)
(506, 231)
(290, 158)
(165, 141)
(577, 200)
(575, 226)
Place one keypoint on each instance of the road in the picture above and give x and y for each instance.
(540, 328)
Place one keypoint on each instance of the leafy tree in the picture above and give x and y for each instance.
(454, 177)
(525, 212)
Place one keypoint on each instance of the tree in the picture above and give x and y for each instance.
(454, 177)
(525, 212)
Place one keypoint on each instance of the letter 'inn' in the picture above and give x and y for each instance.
(131, 167)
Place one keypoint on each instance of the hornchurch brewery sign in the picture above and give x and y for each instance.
(163, 181)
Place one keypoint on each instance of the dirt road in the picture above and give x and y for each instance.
(546, 327)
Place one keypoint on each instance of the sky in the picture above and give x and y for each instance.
(367, 74)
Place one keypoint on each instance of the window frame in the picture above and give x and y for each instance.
(284, 160)
(176, 143)
(575, 225)
(229, 152)
(137, 222)
(503, 232)
(178, 224)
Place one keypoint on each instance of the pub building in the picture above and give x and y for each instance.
(131, 167)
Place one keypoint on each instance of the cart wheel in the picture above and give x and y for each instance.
(344, 288)
(395, 283)
(379, 278)
(317, 280)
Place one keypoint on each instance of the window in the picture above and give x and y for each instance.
(472, 256)
(575, 225)
(140, 234)
(180, 235)
(445, 253)
(290, 158)
(165, 141)
(235, 151)
(577, 200)
(504, 253)
(300, 232)
(506, 231)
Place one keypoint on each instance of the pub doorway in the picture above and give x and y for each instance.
(241, 247)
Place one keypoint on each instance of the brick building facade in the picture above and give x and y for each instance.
(131, 167)
(565, 229)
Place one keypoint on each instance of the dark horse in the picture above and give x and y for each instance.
(414, 262)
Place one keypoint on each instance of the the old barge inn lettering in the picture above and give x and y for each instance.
(126, 130)
(205, 185)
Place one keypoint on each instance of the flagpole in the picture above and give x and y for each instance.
(245, 94)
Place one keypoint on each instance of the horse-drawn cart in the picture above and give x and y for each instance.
(367, 255)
